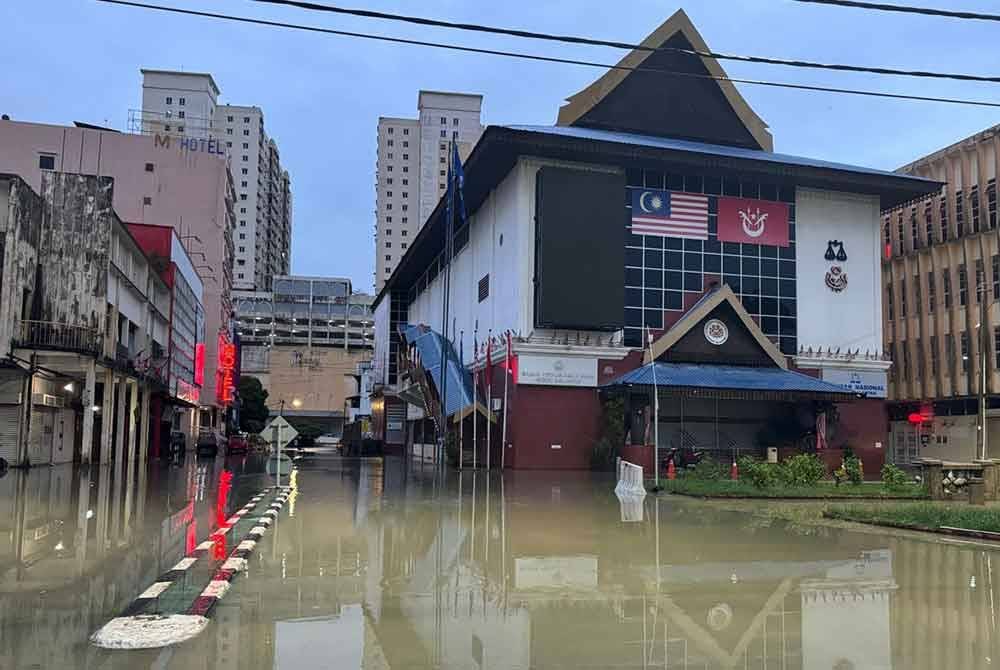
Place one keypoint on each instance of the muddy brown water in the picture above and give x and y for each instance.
(376, 565)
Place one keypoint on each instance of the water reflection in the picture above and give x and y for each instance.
(378, 566)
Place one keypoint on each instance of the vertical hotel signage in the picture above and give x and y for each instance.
(686, 215)
(227, 367)
(199, 364)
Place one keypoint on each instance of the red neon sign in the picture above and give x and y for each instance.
(227, 366)
(199, 364)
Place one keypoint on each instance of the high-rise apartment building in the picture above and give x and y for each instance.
(185, 104)
(412, 169)
(940, 287)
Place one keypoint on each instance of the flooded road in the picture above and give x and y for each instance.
(372, 565)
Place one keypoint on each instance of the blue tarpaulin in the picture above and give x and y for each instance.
(430, 345)
(727, 377)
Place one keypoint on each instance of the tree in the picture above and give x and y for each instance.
(253, 405)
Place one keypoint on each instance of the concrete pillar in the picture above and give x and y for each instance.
(933, 478)
(144, 422)
(82, 522)
(131, 454)
(107, 418)
(990, 482)
(120, 415)
(24, 435)
(89, 394)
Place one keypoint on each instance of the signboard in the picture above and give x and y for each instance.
(279, 429)
(225, 376)
(556, 370)
(871, 383)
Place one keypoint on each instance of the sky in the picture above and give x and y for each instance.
(79, 60)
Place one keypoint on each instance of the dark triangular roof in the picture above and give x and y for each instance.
(654, 103)
(713, 302)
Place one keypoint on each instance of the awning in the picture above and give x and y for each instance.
(432, 349)
(696, 377)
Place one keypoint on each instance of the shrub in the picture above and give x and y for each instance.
(760, 475)
(708, 469)
(802, 470)
(854, 470)
(893, 478)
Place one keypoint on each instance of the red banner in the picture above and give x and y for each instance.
(753, 221)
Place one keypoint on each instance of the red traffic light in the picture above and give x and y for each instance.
(915, 418)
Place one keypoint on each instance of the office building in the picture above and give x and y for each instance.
(185, 104)
(411, 172)
(941, 283)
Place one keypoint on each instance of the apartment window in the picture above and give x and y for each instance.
(181, 101)
(388, 194)
(170, 100)
(388, 271)
(180, 129)
(245, 158)
(946, 288)
(963, 285)
(906, 359)
(405, 168)
(243, 210)
(180, 114)
(406, 131)
(995, 267)
(996, 346)
(959, 214)
(980, 280)
(928, 223)
(444, 120)
(974, 207)
(919, 370)
(950, 353)
(441, 173)
(931, 292)
(389, 168)
(943, 207)
(243, 196)
(245, 171)
(402, 233)
(454, 122)
(965, 351)
(917, 298)
(242, 249)
(934, 355)
(991, 203)
(243, 184)
(147, 200)
(246, 119)
(405, 207)
(443, 146)
(406, 157)
(405, 220)
(389, 155)
(890, 312)
(240, 275)
(389, 130)
(389, 143)
(166, 129)
(389, 181)
(388, 257)
(230, 146)
(241, 262)
(902, 298)
(388, 219)
(46, 162)
(441, 160)
(405, 194)
(229, 131)
(243, 224)
(403, 245)
(444, 134)
(388, 245)
(899, 230)
(887, 235)
(229, 119)
(454, 134)
(406, 144)
(150, 167)
(246, 145)
(243, 236)
(246, 132)
(406, 182)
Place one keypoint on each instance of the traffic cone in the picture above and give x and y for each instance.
(734, 471)
(671, 470)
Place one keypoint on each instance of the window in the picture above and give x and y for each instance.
(405, 220)
(150, 167)
(899, 230)
(402, 233)
(902, 298)
(243, 210)
(980, 280)
(389, 155)
(963, 285)
(229, 131)
(389, 169)
(889, 302)
(934, 355)
(229, 119)
(246, 119)
(454, 134)
(442, 160)
(403, 245)
(170, 100)
(974, 207)
(965, 351)
(388, 271)
(928, 223)
(147, 200)
(246, 145)
(996, 346)
(444, 120)
(243, 236)
(169, 114)
(991, 203)
(950, 353)
(245, 158)
(946, 288)
(406, 182)
(995, 267)
(919, 370)
(444, 134)
(914, 237)
(180, 114)
(405, 168)
(406, 144)
(454, 122)
(931, 292)
(230, 146)
(441, 173)
(389, 143)
(181, 101)
(484, 287)
(406, 131)
(389, 130)
(917, 298)
(180, 129)
(388, 194)
(406, 157)
(906, 359)
(388, 232)
(46, 162)
(243, 249)
(389, 181)
(388, 257)
(246, 132)
(243, 184)
(405, 194)
(243, 196)
(245, 171)
(388, 219)
(443, 146)
(388, 245)
(405, 207)
(959, 214)
(240, 275)
(943, 206)
(166, 129)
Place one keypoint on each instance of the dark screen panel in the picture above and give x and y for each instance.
(579, 250)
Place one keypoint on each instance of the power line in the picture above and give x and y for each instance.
(907, 9)
(572, 39)
(550, 59)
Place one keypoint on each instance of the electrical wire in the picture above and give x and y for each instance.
(550, 59)
(907, 9)
(572, 39)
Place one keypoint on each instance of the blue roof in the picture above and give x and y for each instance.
(727, 377)
(459, 391)
(689, 146)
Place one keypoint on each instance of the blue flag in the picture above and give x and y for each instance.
(456, 188)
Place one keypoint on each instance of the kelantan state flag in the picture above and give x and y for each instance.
(753, 221)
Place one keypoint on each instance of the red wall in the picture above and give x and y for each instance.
(155, 243)
(862, 424)
(547, 415)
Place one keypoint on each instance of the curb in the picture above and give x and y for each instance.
(132, 630)
(940, 530)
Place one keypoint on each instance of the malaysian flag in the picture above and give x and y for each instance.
(669, 214)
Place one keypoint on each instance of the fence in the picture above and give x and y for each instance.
(630, 481)
(58, 336)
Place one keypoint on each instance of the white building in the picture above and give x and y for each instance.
(186, 104)
(412, 169)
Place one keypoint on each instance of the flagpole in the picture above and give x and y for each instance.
(656, 415)
(475, 396)
(506, 376)
(489, 395)
(445, 285)
(461, 420)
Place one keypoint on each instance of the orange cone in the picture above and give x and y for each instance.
(734, 471)
(671, 470)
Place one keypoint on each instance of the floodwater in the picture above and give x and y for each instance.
(373, 565)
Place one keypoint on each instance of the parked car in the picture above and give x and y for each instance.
(238, 444)
(209, 442)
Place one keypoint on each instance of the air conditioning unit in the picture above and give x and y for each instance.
(47, 399)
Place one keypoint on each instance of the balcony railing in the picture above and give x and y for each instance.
(57, 336)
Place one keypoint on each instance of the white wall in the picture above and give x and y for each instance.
(851, 319)
(380, 362)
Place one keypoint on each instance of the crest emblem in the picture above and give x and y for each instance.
(836, 279)
(753, 221)
(839, 255)
(716, 332)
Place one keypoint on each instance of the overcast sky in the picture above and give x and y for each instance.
(322, 95)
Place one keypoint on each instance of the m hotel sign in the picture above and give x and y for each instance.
(200, 144)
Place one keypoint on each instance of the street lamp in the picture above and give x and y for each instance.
(296, 403)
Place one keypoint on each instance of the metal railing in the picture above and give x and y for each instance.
(57, 336)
